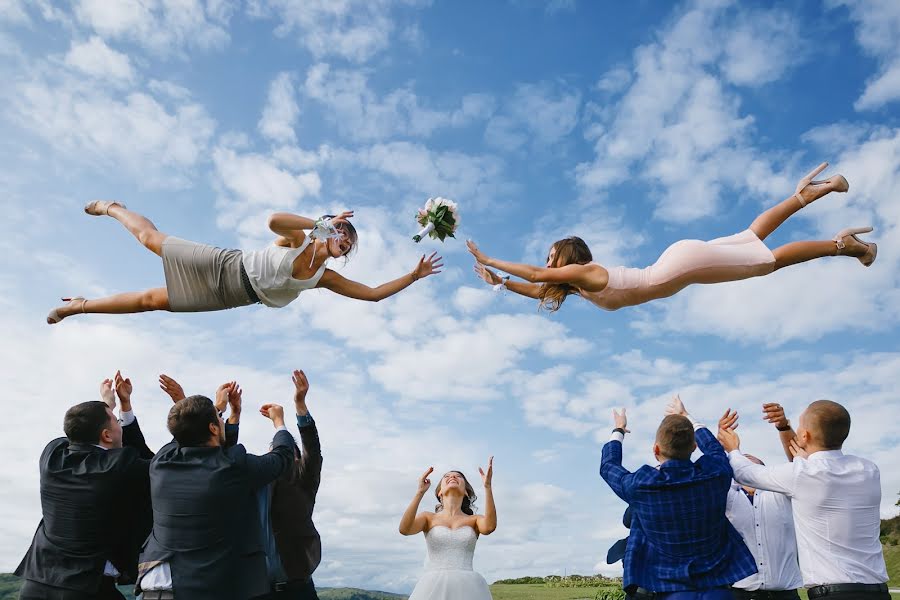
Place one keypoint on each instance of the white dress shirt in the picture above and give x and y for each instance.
(766, 524)
(835, 500)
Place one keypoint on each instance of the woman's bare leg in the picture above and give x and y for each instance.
(125, 303)
(140, 227)
(772, 219)
(798, 252)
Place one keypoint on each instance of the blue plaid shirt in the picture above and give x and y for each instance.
(680, 538)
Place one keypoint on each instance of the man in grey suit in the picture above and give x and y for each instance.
(206, 539)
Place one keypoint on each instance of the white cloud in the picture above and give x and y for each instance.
(13, 11)
(677, 126)
(878, 28)
(96, 59)
(161, 26)
(360, 114)
(157, 140)
(468, 299)
(615, 80)
(542, 113)
(352, 29)
(281, 111)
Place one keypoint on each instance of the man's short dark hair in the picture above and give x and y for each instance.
(84, 422)
(189, 420)
(829, 422)
(675, 437)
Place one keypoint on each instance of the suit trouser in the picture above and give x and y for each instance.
(295, 590)
(33, 590)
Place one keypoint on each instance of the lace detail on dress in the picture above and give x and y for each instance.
(450, 548)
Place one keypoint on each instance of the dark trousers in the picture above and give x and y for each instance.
(292, 590)
(33, 590)
(857, 596)
(712, 594)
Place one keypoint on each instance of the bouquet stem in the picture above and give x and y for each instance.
(425, 231)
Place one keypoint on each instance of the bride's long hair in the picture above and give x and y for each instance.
(468, 503)
(566, 252)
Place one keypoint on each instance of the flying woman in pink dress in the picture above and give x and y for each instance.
(570, 268)
(202, 278)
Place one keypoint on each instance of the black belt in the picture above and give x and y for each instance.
(245, 281)
(158, 595)
(639, 593)
(838, 588)
(763, 594)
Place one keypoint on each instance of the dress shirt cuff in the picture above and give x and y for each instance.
(126, 417)
(697, 425)
(304, 420)
(616, 436)
(282, 428)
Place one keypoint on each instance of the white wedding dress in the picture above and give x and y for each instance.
(448, 567)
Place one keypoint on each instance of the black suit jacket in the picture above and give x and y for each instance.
(95, 508)
(293, 500)
(205, 520)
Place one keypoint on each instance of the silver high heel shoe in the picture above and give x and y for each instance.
(54, 317)
(100, 208)
(871, 249)
(841, 183)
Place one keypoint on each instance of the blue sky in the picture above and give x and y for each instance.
(631, 125)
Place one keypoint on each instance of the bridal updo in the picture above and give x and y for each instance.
(468, 503)
(567, 251)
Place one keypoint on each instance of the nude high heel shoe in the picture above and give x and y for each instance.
(871, 249)
(54, 317)
(840, 182)
(99, 208)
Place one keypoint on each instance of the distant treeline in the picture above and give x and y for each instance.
(566, 581)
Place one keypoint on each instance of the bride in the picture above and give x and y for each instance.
(450, 535)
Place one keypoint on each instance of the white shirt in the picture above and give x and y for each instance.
(766, 524)
(270, 272)
(835, 500)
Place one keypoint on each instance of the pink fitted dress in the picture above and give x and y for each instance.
(731, 258)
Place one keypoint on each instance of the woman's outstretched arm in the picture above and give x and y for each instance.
(353, 289)
(412, 523)
(487, 522)
(530, 290)
(590, 277)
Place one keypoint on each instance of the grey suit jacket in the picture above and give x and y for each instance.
(205, 520)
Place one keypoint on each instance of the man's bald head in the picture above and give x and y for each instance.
(827, 422)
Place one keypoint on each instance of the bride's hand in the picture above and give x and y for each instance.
(424, 482)
(487, 275)
(480, 256)
(343, 216)
(486, 476)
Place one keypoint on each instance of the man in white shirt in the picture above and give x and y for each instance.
(835, 500)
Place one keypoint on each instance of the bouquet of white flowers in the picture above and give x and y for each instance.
(438, 219)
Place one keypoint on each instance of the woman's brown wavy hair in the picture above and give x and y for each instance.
(567, 251)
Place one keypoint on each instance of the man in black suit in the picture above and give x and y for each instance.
(94, 502)
(206, 539)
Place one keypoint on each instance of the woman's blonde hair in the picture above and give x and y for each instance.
(567, 251)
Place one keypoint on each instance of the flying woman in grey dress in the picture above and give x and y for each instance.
(202, 278)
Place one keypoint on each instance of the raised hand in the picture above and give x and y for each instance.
(620, 420)
(774, 414)
(729, 420)
(676, 407)
(480, 257)
(171, 387)
(275, 412)
(222, 394)
(429, 266)
(235, 394)
(796, 450)
(487, 275)
(123, 391)
(107, 394)
(343, 216)
(486, 476)
(301, 387)
(729, 440)
(424, 482)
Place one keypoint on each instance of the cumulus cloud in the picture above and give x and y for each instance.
(281, 111)
(96, 59)
(542, 113)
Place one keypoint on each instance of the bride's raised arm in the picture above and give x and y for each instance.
(413, 521)
(487, 523)
(588, 276)
(292, 228)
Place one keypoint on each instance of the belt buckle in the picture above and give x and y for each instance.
(281, 586)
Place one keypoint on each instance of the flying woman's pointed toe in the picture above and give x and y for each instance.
(864, 252)
(835, 183)
(100, 208)
(55, 316)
